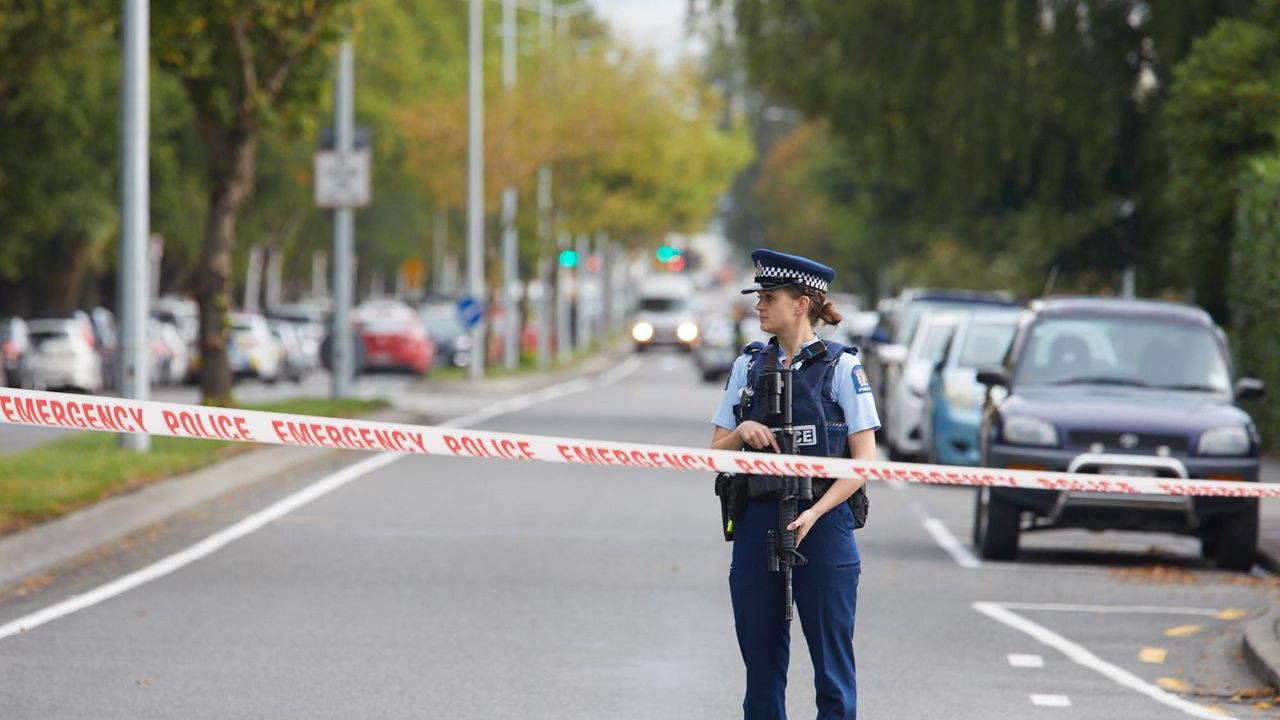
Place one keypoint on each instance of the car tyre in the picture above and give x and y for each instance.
(1238, 541)
(997, 527)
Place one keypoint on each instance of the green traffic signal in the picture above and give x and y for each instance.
(666, 253)
(568, 258)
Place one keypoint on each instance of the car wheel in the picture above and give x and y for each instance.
(1238, 541)
(1210, 534)
(979, 510)
(998, 528)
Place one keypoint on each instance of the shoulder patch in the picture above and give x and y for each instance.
(861, 384)
(753, 348)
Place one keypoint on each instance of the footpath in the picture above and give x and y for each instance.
(64, 542)
(1262, 634)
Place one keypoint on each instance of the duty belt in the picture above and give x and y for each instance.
(767, 487)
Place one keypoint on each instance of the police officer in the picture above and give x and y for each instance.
(834, 416)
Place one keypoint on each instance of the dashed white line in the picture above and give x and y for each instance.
(280, 508)
(1026, 661)
(1051, 700)
(1080, 655)
(958, 552)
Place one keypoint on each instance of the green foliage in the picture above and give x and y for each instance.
(1254, 293)
(1224, 108)
(1019, 134)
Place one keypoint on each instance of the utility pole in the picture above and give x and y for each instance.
(475, 181)
(135, 365)
(343, 228)
(510, 200)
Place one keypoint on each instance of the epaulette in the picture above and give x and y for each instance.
(851, 349)
(753, 348)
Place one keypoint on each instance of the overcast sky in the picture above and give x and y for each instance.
(657, 24)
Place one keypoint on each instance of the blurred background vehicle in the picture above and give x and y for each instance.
(900, 318)
(953, 403)
(453, 342)
(253, 351)
(169, 353)
(393, 337)
(293, 361)
(184, 315)
(16, 349)
(665, 313)
(311, 324)
(907, 388)
(1124, 388)
(63, 355)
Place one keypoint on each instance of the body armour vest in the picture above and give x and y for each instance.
(821, 429)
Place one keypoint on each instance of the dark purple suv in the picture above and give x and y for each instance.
(1119, 387)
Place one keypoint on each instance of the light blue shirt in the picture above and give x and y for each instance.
(849, 385)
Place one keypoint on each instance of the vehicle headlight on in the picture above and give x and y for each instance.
(1023, 430)
(642, 332)
(463, 342)
(687, 332)
(1224, 441)
(960, 394)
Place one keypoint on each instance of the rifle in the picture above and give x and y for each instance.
(781, 543)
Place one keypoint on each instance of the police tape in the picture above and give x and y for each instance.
(58, 410)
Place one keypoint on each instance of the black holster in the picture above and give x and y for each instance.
(732, 491)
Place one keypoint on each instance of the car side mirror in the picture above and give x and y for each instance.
(1250, 389)
(994, 377)
(892, 354)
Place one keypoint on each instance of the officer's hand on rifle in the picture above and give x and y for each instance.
(802, 523)
(756, 435)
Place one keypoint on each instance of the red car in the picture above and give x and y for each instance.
(395, 339)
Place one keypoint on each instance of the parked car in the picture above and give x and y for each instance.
(900, 319)
(1119, 387)
(184, 315)
(64, 357)
(953, 403)
(394, 338)
(904, 427)
(665, 314)
(253, 352)
(170, 353)
(453, 342)
(311, 323)
(106, 343)
(293, 361)
(16, 350)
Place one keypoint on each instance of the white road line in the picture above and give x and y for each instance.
(1081, 656)
(1051, 700)
(1026, 661)
(1149, 609)
(314, 491)
(948, 542)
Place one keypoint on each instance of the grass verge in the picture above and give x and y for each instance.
(51, 480)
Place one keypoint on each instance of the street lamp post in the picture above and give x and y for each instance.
(475, 180)
(135, 376)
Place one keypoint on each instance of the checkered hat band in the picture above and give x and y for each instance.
(765, 272)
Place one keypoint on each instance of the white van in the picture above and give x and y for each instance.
(665, 313)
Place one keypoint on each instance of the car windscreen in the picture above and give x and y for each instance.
(57, 337)
(1136, 352)
(663, 304)
(934, 345)
(985, 344)
(443, 324)
(387, 325)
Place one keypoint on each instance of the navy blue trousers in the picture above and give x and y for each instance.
(826, 597)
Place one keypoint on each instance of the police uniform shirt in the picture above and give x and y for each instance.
(849, 385)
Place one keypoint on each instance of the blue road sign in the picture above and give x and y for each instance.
(470, 311)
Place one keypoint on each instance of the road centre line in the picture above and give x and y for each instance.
(280, 508)
(1051, 701)
(1026, 661)
(1081, 656)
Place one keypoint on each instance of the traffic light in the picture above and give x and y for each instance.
(568, 258)
(667, 253)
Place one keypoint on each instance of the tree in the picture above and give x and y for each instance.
(245, 66)
(1223, 109)
(1022, 131)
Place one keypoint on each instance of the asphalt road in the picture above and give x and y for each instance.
(450, 588)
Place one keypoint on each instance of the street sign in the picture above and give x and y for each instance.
(342, 179)
(470, 311)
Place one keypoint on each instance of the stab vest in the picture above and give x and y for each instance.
(821, 429)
